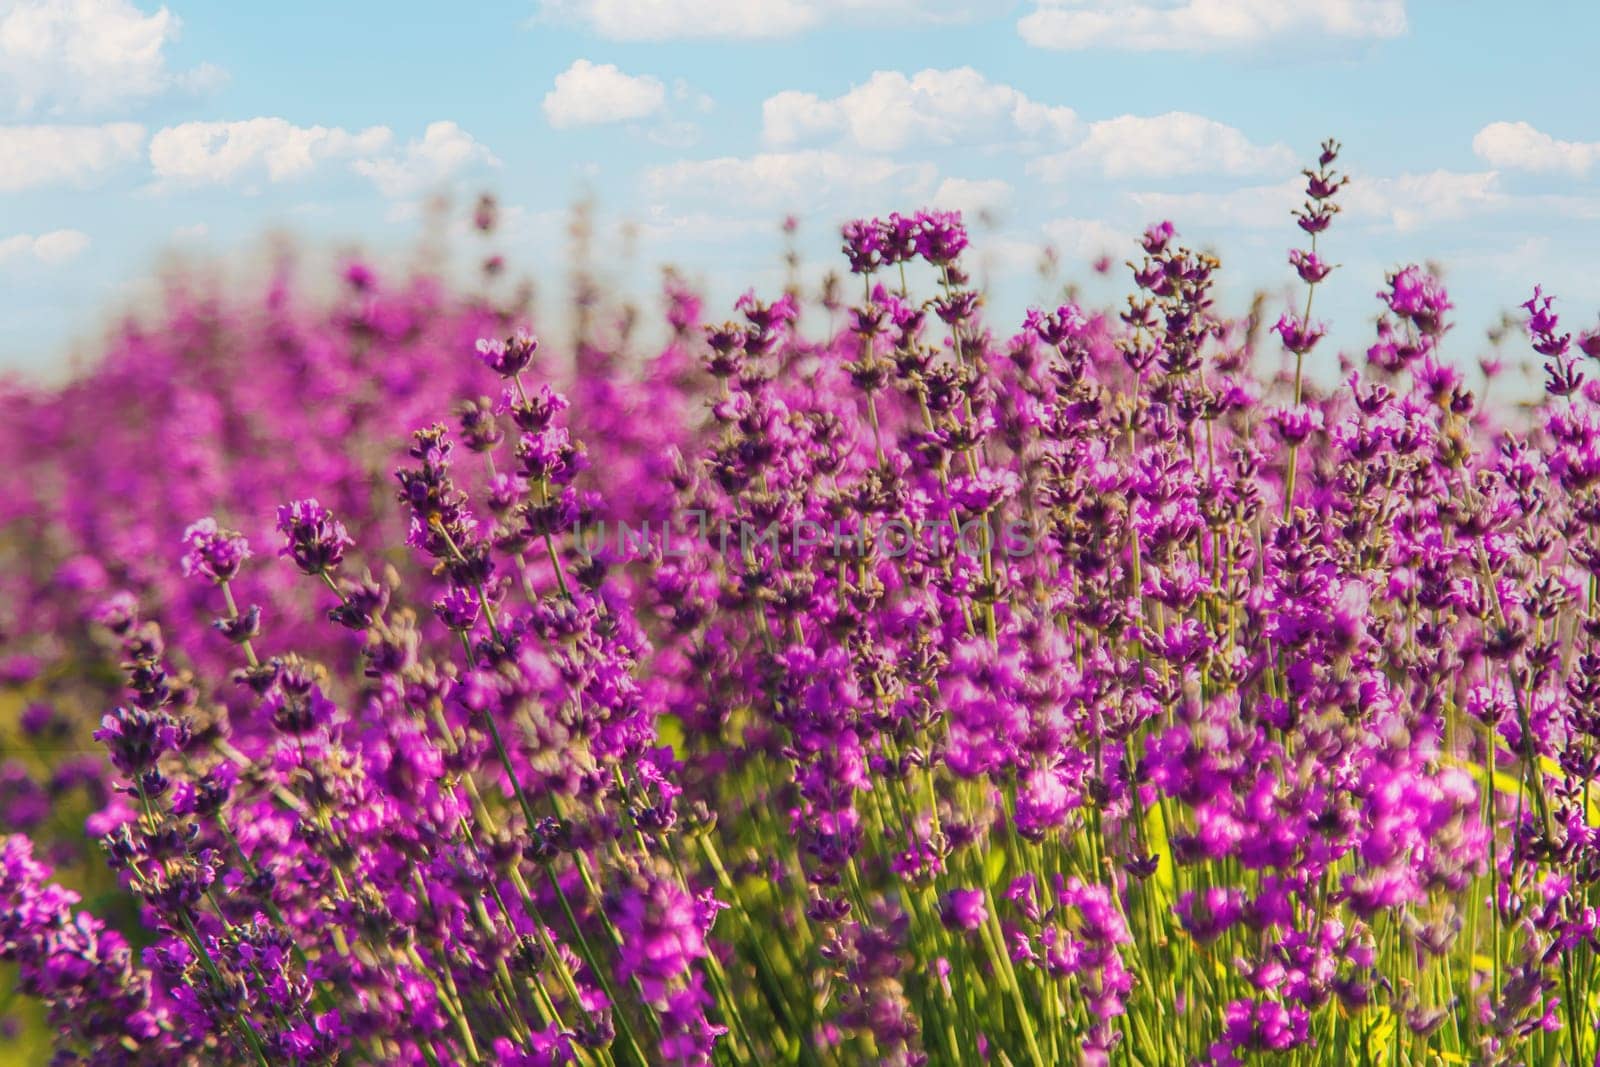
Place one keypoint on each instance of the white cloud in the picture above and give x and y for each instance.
(217, 153)
(1402, 201)
(797, 181)
(792, 117)
(1520, 146)
(1252, 207)
(655, 20)
(1073, 241)
(667, 229)
(679, 135)
(32, 156)
(589, 94)
(51, 249)
(444, 150)
(200, 153)
(1585, 207)
(685, 93)
(1408, 201)
(201, 79)
(938, 107)
(972, 196)
(1164, 146)
(87, 55)
(1087, 238)
(1205, 25)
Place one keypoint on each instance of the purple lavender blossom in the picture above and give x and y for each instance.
(213, 552)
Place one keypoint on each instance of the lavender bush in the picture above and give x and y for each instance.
(1109, 692)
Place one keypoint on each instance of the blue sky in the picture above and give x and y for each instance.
(131, 133)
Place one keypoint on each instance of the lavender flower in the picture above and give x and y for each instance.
(315, 540)
(213, 552)
(511, 356)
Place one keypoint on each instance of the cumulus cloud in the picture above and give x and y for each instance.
(1520, 146)
(972, 196)
(590, 94)
(1252, 207)
(665, 228)
(655, 20)
(686, 94)
(892, 111)
(222, 153)
(1163, 146)
(444, 151)
(50, 249)
(1081, 239)
(209, 153)
(1401, 202)
(1074, 241)
(1409, 201)
(1205, 25)
(33, 156)
(793, 181)
(61, 56)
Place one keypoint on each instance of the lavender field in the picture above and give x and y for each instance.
(914, 689)
(429, 656)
